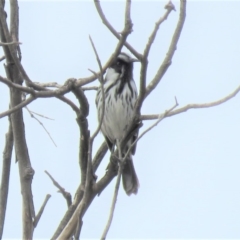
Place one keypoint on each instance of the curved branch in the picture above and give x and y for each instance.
(194, 106)
(173, 46)
(144, 63)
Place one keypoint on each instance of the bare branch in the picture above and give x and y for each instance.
(2, 58)
(193, 106)
(40, 115)
(160, 118)
(41, 125)
(37, 218)
(114, 201)
(100, 78)
(78, 229)
(65, 194)
(10, 43)
(113, 31)
(70, 103)
(43, 93)
(7, 155)
(9, 83)
(99, 156)
(71, 226)
(26, 171)
(50, 84)
(17, 107)
(90, 88)
(67, 87)
(173, 46)
(124, 34)
(14, 20)
(143, 73)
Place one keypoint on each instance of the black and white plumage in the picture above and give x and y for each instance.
(120, 97)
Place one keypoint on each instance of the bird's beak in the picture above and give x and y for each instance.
(134, 60)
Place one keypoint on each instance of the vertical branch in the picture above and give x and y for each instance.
(14, 21)
(7, 155)
(26, 171)
(171, 50)
(114, 201)
(128, 21)
(144, 61)
(84, 132)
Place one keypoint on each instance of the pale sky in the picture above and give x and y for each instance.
(188, 166)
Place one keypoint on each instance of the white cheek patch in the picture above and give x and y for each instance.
(111, 76)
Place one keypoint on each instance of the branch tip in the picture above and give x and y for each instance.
(170, 6)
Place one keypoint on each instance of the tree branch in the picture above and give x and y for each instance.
(114, 201)
(6, 165)
(32, 115)
(122, 39)
(113, 31)
(9, 43)
(173, 46)
(144, 62)
(99, 156)
(17, 107)
(193, 106)
(2, 58)
(37, 218)
(65, 194)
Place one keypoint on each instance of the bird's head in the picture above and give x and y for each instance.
(123, 66)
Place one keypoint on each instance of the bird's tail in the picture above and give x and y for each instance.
(129, 177)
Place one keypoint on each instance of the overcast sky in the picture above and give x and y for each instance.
(188, 166)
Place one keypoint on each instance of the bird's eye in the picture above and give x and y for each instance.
(118, 63)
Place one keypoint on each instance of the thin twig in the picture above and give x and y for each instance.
(32, 115)
(100, 78)
(114, 201)
(40, 115)
(10, 43)
(65, 194)
(38, 216)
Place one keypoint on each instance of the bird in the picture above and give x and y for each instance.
(120, 94)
